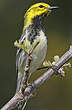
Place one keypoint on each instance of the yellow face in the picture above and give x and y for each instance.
(35, 10)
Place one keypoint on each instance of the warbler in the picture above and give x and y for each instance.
(33, 30)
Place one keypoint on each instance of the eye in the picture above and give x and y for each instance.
(41, 6)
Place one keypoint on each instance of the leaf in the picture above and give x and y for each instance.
(47, 63)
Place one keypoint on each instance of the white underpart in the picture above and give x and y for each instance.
(39, 52)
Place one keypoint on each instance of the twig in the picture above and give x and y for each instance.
(26, 73)
(37, 83)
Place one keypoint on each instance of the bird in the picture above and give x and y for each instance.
(33, 30)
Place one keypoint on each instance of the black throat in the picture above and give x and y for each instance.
(34, 29)
(38, 22)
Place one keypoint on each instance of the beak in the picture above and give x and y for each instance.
(52, 7)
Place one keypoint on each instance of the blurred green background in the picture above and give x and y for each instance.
(56, 93)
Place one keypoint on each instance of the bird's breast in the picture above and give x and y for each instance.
(40, 52)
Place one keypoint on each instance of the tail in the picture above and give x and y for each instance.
(19, 80)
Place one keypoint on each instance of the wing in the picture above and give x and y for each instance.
(19, 51)
(20, 62)
(17, 58)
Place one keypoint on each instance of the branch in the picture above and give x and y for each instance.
(37, 83)
(26, 73)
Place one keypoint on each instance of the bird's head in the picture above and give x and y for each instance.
(38, 9)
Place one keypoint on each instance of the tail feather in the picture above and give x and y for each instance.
(19, 80)
(21, 104)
